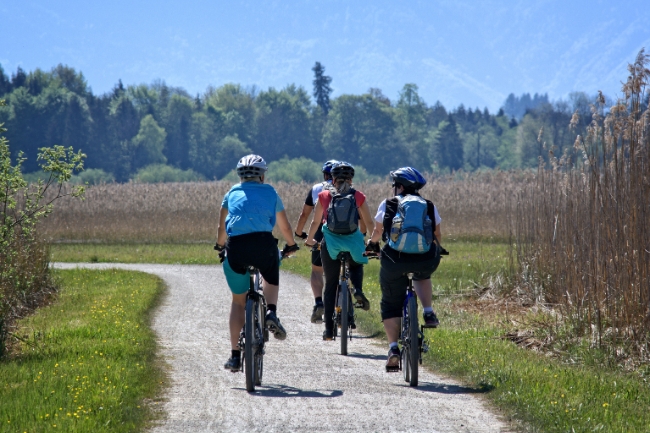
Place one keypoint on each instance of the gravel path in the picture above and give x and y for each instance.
(307, 385)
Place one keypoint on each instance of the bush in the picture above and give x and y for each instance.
(93, 176)
(302, 170)
(157, 173)
(24, 272)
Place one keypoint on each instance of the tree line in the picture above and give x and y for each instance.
(133, 128)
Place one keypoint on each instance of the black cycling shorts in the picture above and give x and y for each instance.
(315, 258)
(258, 249)
(393, 280)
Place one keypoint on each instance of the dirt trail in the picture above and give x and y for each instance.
(307, 386)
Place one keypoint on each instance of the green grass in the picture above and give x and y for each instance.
(87, 362)
(544, 393)
(135, 253)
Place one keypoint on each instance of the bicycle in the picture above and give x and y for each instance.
(412, 334)
(344, 307)
(255, 333)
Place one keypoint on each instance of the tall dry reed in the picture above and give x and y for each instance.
(583, 231)
(187, 212)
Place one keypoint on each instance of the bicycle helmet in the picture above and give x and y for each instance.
(342, 169)
(251, 166)
(327, 167)
(408, 177)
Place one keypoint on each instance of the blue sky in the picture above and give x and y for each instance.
(470, 52)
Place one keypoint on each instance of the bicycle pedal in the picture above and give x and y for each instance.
(425, 348)
(394, 369)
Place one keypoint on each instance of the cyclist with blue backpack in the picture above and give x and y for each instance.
(410, 226)
(249, 212)
(316, 279)
(338, 209)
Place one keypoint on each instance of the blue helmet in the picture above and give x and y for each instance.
(408, 177)
(327, 167)
(342, 169)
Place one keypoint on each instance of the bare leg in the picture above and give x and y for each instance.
(237, 319)
(271, 293)
(424, 292)
(392, 327)
(317, 280)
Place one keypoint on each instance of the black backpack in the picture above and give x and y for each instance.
(342, 213)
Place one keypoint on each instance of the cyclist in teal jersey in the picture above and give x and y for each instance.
(249, 212)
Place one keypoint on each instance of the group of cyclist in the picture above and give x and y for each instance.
(251, 209)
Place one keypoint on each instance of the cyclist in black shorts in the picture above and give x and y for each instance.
(316, 279)
(395, 263)
(249, 212)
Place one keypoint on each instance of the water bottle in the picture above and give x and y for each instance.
(396, 227)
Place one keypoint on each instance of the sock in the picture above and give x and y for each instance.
(271, 307)
(319, 300)
(393, 345)
(236, 353)
(428, 309)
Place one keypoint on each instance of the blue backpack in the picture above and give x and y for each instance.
(411, 230)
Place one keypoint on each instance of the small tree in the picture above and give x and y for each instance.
(322, 87)
(24, 272)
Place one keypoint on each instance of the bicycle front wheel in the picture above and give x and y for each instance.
(249, 345)
(414, 347)
(345, 309)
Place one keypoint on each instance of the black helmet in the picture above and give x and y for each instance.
(327, 167)
(342, 169)
(408, 177)
(251, 166)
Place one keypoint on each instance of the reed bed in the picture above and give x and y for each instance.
(471, 206)
(583, 234)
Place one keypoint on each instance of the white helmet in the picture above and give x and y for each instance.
(251, 166)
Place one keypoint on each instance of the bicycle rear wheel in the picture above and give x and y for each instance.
(345, 309)
(406, 353)
(414, 349)
(249, 345)
(259, 342)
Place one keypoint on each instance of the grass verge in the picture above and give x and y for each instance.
(86, 362)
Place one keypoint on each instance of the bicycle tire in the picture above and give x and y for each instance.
(414, 347)
(259, 343)
(345, 319)
(249, 345)
(405, 354)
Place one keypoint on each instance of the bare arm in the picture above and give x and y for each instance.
(315, 222)
(302, 220)
(364, 213)
(221, 230)
(377, 232)
(285, 227)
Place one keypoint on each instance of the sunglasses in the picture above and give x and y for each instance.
(342, 179)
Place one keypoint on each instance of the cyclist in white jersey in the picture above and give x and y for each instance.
(316, 279)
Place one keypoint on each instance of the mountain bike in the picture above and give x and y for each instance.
(412, 341)
(254, 333)
(412, 337)
(344, 307)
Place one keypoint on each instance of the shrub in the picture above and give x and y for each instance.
(93, 176)
(156, 173)
(24, 272)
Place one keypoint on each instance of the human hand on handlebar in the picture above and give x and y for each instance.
(222, 256)
(372, 246)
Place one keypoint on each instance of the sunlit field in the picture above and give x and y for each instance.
(475, 206)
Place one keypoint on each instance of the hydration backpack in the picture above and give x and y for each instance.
(411, 230)
(342, 213)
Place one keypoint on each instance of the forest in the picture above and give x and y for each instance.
(157, 132)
